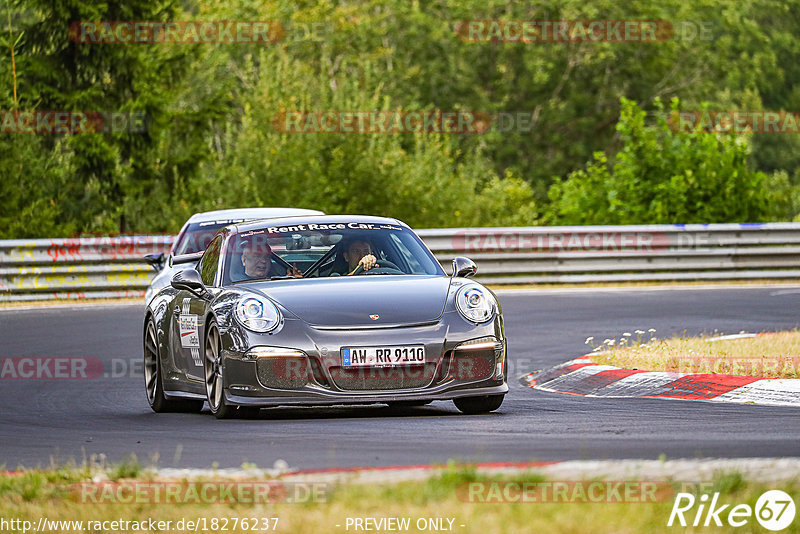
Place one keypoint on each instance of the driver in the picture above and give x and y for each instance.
(359, 253)
(257, 260)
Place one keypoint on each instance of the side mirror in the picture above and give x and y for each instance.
(188, 279)
(463, 267)
(155, 260)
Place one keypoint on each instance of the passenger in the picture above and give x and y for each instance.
(258, 263)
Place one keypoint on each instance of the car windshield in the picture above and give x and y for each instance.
(198, 235)
(321, 250)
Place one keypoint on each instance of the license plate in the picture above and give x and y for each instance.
(383, 356)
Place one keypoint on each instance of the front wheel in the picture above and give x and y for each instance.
(215, 379)
(212, 367)
(476, 405)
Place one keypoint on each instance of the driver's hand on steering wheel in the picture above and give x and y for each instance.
(366, 263)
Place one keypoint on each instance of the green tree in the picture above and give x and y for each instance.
(660, 176)
(210, 143)
(57, 73)
(420, 178)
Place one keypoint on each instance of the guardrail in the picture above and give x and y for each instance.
(80, 268)
(581, 254)
(113, 266)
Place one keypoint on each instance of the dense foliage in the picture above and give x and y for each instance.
(598, 151)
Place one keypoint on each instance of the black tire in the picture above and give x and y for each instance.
(153, 379)
(476, 405)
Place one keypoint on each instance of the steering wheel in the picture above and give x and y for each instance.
(384, 267)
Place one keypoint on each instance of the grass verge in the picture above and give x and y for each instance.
(775, 355)
(450, 495)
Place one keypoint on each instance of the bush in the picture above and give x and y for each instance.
(660, 176)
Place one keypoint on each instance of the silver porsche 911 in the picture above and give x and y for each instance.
(322, 310)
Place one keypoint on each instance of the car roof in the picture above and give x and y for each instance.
(319, 219)
(250, 213)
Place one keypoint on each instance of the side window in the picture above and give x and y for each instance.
(408, 256)
(210, 262)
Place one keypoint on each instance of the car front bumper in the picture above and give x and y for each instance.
(461, 360)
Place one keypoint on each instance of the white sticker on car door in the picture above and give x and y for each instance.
(190, 337)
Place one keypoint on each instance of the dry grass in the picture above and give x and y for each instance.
(770, 356)
(49, 494)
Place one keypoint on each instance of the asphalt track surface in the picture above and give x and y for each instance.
(56, 421)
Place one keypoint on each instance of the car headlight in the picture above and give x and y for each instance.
(257, 314)
(475, 303)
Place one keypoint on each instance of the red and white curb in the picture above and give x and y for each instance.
(583, 377)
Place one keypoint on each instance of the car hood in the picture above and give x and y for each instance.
(341, 302)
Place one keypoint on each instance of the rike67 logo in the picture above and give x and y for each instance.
(774, 510)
